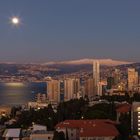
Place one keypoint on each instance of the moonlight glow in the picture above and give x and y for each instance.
(15, 20)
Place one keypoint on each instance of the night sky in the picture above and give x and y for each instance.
(53, 30)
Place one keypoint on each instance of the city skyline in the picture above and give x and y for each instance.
(68, 30)
(69, 70)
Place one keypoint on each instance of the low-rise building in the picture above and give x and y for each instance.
(37, 105)
(13, 133)
(135, 118)
(123, 108)
(5, 110)
(42, 135)
(88, 129)
(39, 127)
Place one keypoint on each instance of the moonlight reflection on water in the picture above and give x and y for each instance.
(19, 93)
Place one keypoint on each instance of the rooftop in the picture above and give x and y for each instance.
(13, 133)
(123, 108)
(42, 132)
(91, 128)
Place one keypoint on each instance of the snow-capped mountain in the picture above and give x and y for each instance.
(108, 62)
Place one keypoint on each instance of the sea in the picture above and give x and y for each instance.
(13, 94)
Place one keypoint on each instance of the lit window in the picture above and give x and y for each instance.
(138, 109)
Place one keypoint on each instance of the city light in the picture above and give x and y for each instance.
(15, 84)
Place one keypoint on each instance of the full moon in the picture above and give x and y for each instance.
(15, 20)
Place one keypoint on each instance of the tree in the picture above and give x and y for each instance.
(72, 109)
(59, 136)
(67, 137)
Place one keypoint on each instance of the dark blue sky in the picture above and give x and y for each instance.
(70, 29)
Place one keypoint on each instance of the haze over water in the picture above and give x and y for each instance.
(19, 93)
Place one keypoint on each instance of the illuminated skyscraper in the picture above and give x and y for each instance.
(71, 88)
(53, 90)
(116, 75)
(132, 79)
(96, 77)
(89, 87)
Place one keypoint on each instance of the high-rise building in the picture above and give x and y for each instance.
(41, 98)
(117, 76)
(89, 87)
(135, 118)
(71, 88)
(132, 79)
(96, 77)
(53, 90)
(100, 89)
(62, 92)
(110, 82)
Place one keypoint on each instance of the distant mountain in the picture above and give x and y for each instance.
(107, 62)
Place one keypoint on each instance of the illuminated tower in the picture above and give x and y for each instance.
(53, 90)
(132, 79)
(96, 77)
(71, 88)
(117, 76)
(89, 87)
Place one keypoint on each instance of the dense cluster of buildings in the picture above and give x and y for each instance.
(88, 129)
(58, 90)
(73, 87)
(72, 130)
(107, 81)
(94, 129)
